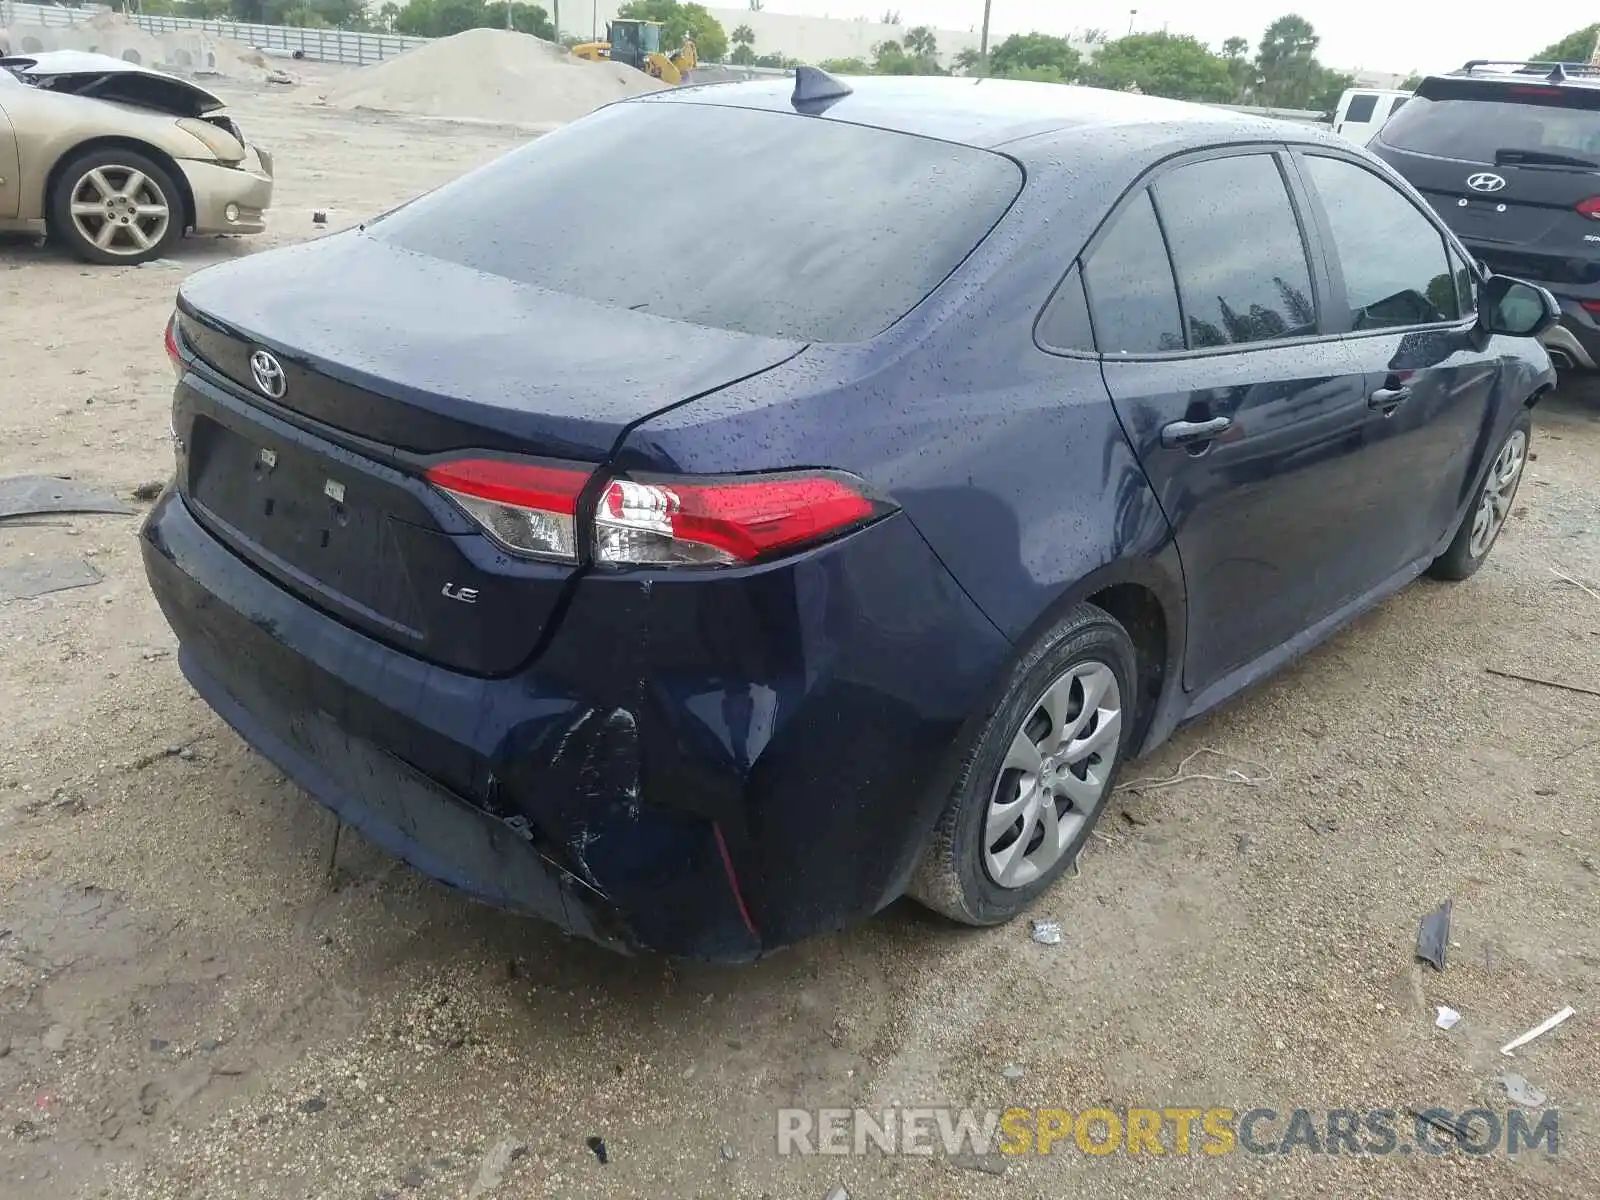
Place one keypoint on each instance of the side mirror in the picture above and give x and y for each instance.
(1515, 308)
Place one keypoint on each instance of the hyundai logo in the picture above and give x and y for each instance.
(1485, 181)
(268, 374)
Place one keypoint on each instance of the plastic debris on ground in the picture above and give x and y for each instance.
(1520, 1091)
(29, 580)
(1047, 933)
(29, 495)
(1447, 1017)
(1433, 935)
(1538, 1030)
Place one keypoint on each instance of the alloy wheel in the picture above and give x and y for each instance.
(1053, 778)
(1498, 491)
(120, 210)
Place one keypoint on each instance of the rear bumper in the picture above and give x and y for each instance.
(244, 191)
(1577, 336)
(707, 768)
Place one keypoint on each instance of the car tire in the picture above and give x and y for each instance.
(1490, 508)
(978, 868)
(115, 207)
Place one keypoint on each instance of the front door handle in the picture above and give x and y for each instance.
(1187, 434)
(1387, 399)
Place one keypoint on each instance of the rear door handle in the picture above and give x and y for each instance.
(1181, 434)
(1387, 399)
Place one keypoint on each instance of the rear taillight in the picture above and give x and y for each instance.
(1592, 307)
(654, 521)
(529, 508)
(1591, 208)
(171, 340)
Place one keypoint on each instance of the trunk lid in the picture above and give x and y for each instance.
(390, 361)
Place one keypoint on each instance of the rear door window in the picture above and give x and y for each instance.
(1132, 298)
(1397, 269)
(760, 222)
(1243, 273)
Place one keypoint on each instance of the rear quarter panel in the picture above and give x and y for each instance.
(1010, 461)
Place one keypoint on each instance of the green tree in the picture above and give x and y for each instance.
(781, 61)
(846, 66)
(441, 18)
(890, 58)
(1024, 55)
(743, 35)
(920, 42)
(1286, 63)
(967, 60)
(679, 21)
(1161, 64)
(1411, 82)
(1576, 47)
(1235, 53)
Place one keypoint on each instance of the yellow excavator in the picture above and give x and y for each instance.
(638, 44)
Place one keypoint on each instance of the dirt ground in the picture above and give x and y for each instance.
(193, 1004)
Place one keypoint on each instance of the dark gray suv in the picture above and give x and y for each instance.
(1509, 155)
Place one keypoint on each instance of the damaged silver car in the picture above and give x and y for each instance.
(116, 161)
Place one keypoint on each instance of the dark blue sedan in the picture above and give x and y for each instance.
(703, 558)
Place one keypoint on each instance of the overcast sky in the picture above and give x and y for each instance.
(1378, 35)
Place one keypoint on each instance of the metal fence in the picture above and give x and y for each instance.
(322, 45)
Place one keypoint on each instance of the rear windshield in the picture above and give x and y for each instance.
(1479, 123)
(759, 222)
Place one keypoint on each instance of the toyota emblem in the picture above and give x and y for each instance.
(268, 374)
(1485, 181)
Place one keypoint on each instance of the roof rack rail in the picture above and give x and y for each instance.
(1555, 72)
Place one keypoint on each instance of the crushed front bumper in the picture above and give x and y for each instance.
(230, 199)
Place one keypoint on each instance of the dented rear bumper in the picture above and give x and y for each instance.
(709, 768)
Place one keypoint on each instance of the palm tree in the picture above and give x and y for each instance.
(743, 35)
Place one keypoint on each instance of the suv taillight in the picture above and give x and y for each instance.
(531, 509)
(1591, 208)
(725, 521)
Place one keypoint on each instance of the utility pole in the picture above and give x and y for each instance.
(983, 42)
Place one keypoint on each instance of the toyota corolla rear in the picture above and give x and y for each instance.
(660, 710)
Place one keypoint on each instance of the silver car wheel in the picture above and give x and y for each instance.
(1053, 779)
(120, 210)
(1498, 491)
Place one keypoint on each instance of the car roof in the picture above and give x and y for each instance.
(1545, 74)
(991, 112)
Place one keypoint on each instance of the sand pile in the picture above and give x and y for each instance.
(490, 75)
(182, 53)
